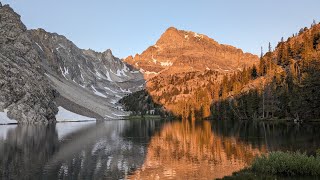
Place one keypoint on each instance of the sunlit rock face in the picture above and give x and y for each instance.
(192, 151)
(183, 68)
(180, 51)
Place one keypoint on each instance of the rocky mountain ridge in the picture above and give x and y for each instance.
(101, 76)
(180, 51)
(41, 71)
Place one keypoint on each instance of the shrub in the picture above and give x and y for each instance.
(286, 163)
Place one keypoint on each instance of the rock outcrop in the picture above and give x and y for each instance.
(24, 91)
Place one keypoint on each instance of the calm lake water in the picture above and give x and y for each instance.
(144, 149)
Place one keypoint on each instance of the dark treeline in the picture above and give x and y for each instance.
(285, 84)
(141, 103)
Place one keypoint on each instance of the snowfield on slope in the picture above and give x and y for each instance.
(65, 115)
(4, 118)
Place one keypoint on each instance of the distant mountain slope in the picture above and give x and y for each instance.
(85, 78)
(184, 68)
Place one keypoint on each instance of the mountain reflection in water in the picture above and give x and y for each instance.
(144, 149)
(184, 150)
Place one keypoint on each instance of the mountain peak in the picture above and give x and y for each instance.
(172, 36)
(186, 51)
(171, 29)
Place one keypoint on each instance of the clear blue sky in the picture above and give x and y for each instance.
(130, 26)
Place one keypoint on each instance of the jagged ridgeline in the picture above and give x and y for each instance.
(42, 72)
(285, 85)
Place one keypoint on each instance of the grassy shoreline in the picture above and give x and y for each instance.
(282, 165)
(144, 117)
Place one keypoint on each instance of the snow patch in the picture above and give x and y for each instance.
(4, 118)
(65, 72)
(107, 88)
(148, 73)
(65, 115)
(196, 35)
(39, 47)
(118, 115)
(118, 96)
(99, 75)
(82, 77)
(83, 86)
(125, 91)
(108, 76)
(167, 63)
(135, 72)
(98, 93)
(62, 46)
(119, 72)
(110, 117)
(114, 102)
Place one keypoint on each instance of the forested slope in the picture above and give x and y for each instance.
(286, 84)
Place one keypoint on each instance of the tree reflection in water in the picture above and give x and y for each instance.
(189, 150)
(145, 149)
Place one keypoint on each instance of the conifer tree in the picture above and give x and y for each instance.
(270, 48)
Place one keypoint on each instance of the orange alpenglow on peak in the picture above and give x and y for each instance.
(179, 51)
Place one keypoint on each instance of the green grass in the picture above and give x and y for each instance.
(282, 165)
(144, 117)
(287, 164)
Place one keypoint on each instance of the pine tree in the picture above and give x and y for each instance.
(270, 48)
(313, 23)
(254, 73)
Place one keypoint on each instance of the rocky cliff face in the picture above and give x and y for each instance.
(180, 51)
(25, 93)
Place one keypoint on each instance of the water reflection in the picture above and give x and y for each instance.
(25, 150)
(144, 149)
(106, 150)
(272, 135)
(186, 150)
